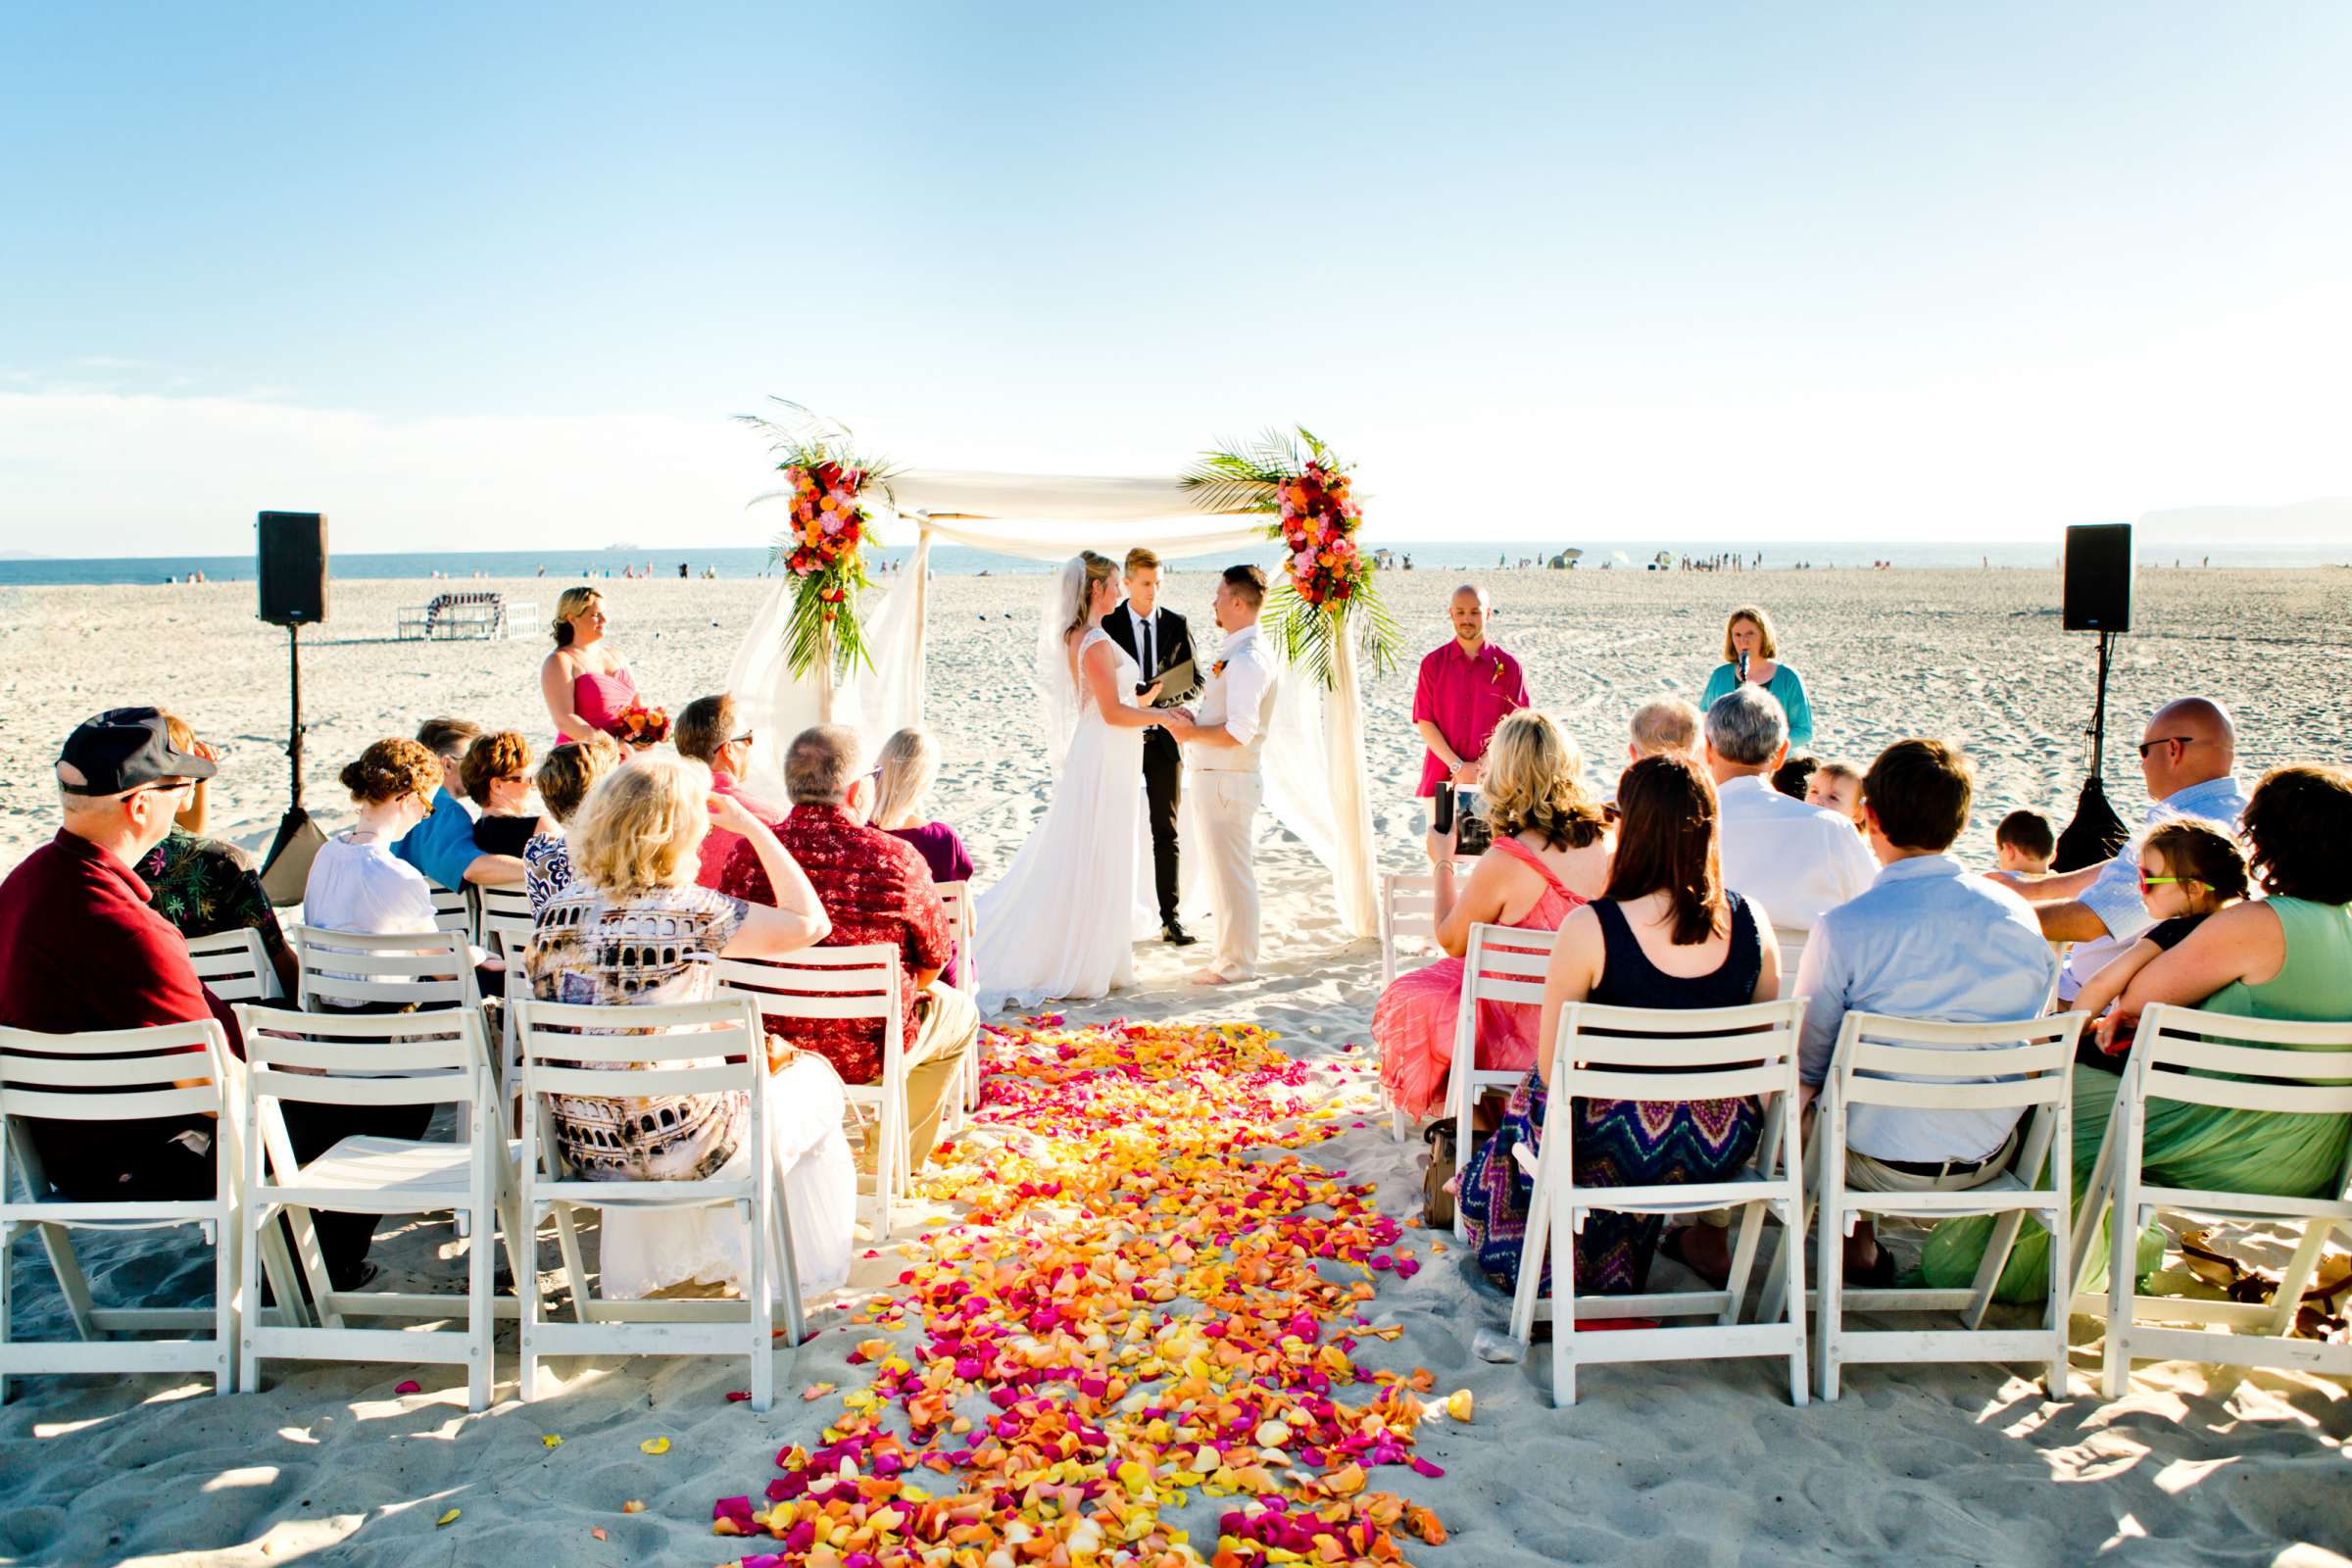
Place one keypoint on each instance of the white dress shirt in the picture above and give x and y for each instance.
(1241, 700)
(1148, 629)
(1794, 860)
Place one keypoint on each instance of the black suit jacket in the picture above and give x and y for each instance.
(1173, 646)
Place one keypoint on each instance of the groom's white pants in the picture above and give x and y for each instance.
(1225, 808)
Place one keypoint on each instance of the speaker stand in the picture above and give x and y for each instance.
(295, 834)
(2096, 833)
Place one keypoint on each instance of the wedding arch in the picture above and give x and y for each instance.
(1315, 789)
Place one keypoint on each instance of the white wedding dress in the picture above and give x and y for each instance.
(1057, 923)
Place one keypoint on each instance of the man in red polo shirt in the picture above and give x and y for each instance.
(80, 949)
(1467, 687)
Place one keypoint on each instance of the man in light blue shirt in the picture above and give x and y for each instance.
(2188, 756)
(1927, 939)
(442, 845)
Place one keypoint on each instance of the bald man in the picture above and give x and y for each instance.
(2188, 755)
(1466, 687)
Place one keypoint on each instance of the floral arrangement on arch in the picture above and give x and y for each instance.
(1327, 576)
(824, 549)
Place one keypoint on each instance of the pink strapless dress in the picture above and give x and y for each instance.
(600, 700)
(1413, 1021)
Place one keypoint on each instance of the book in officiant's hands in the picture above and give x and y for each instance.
(1173, 683)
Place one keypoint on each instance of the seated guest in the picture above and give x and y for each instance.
(1664, 933)
(874, 888)
(1837, 787)
(1550, 858)
(2189, 871)
(1663, 724)
(2285, 956)
(496, 773)
(206, 886)
(442, 846)
(1794, 776)
(356, 885)
(2025, 842)
(1796, 859)
(81, 949)
(633, 929)
(2189, 757)
(1927, 939)
(565, 776)
(708, 731)
(903, 780)
(1750, 644)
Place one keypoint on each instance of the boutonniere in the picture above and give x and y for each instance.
(1218, 669)
(1496, 676)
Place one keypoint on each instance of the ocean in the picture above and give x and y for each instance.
(959, 560)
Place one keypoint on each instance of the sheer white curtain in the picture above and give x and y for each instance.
(1313, 762)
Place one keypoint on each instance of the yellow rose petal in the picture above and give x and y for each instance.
(449, 1518)
(653, 1445)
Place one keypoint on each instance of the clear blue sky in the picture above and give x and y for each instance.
(478, 276)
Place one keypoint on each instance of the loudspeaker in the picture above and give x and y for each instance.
(2098, 577)
(292, 562)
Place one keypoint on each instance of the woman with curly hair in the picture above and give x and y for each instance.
(356, 884)
(1550, 856)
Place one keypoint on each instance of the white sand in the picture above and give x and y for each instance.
(1678, 1464)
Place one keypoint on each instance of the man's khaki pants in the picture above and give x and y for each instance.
(1225, 806)
(946, 1022)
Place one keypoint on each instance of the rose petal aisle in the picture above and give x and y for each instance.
(1151, 1299)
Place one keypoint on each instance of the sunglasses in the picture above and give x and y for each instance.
(164, 788)
(744, 739)
(2146, 747)
(2146, 881)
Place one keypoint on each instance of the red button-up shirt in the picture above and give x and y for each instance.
(1465, 695)
(876, 888)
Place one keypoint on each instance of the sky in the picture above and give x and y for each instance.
(473, 277)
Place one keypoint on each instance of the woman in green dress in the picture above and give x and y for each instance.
(2287, 955)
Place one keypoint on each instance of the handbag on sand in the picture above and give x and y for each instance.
(1437, 1203)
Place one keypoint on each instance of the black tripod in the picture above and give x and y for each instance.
(2096, 833)
(287, 870)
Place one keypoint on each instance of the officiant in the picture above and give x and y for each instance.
(1161, 646)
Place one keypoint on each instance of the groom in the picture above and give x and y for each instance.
(1158, 641)
(1225, 739)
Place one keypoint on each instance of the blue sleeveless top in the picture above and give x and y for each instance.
(1628, 979)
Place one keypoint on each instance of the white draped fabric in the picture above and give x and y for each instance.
(1313, 761)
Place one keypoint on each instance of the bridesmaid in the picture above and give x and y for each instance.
(587, 686)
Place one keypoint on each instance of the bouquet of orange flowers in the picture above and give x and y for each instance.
(639, 726)
(824, 549)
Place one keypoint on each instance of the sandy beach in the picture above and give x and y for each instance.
(1679, 1465)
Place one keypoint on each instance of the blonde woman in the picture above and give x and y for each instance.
(1751, 655)
(902, 782)
(1060, 922)
(632, 928)
(587, 686)
(1551, 856)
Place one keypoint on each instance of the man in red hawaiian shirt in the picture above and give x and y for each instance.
(876, 888)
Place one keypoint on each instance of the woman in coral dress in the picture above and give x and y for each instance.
(1550, 856)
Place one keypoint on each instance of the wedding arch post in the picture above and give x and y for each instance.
(1344, 735)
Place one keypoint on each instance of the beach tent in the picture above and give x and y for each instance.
(1313, 766)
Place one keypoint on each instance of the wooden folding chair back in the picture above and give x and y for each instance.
(96, 1082)
(1501, 964)
(383, 1061)
(2196, 1057)
(235, 965)
(424, 969)
(605, 1053)
(2025, 1067)
(1642, 1054)
(850, 982)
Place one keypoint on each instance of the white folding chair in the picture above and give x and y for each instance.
(1408, 912)
(1502, 963)
(703, 1047)
(451, 911)
(346, 968)
(1915, 1065)
(956, 897)
(235, 965)
(418, 1058)
(1791, 942)
(2211, 1059)
(854, 982)
(1656, 1055)
(96, 1082)
(503, 922)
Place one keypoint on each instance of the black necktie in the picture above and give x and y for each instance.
(1145, 622)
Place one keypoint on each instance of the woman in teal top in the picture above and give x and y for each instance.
(1748, 633)
(2287, 956)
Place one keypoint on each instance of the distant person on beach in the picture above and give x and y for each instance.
(2189, 757)
(586, 685)
(80, 949)
(442, 846)
(1751, 657)
(903, 779)
(1466, 687)
(2025, 842)
(1796, 859)
(1836, 786)
(496, 771)
(565, 776)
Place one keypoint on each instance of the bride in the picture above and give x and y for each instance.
(1058, 923)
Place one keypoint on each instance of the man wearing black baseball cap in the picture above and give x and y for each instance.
(80, 949)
